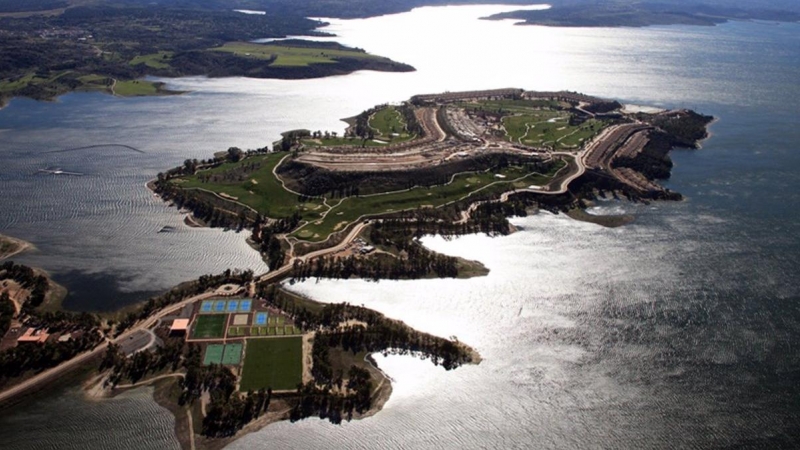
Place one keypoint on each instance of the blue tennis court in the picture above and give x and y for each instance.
(206, 306)
(245, 305)
(261, 318)
(233, 305)
(219, 306)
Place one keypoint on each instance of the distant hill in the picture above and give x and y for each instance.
(627, 13)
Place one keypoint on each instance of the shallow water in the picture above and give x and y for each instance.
(678, 331)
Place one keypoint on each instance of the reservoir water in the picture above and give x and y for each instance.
(679, 331)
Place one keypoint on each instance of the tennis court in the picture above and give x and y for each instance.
(232, 355)
(261, 318)
(245, 305)
(206, 306)
(214, 354)
(219, 306)
(233, 305)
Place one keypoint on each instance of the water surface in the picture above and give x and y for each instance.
(679, 331)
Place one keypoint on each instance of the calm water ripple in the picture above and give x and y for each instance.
(678, 331)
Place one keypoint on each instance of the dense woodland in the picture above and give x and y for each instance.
(682, 129)
(7, 312)
(28, 279)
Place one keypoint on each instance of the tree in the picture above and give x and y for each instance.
(235, 154)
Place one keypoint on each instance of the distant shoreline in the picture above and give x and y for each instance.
(608, 14)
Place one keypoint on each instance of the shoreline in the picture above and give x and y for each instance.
(18, 246)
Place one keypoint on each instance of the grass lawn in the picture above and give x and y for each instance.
(463, 185)
(290, 56)
(237, 331)
(135, 88)
(529, 125)
(31, 79)
(266, 195)
(388, 121)
(549, 128)
(272, 363)
(209, 326)
(158, 60)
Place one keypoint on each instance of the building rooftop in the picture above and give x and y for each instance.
(33, 335)
(179, 325)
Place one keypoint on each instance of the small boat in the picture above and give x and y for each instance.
(60, 172)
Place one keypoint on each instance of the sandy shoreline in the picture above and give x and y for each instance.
(17, 246)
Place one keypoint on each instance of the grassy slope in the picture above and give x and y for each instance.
(388, 121)
(269, 197)
(158, 60)
(273, 362)
(543, 132)
(530, 113)
(291, 56)
(136, 88)
(462, 186)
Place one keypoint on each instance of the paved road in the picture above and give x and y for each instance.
(315, 254)
(137, 341)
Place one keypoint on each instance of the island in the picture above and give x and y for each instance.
(621, 13)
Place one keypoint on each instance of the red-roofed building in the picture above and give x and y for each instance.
(33, 336)
(179, 327)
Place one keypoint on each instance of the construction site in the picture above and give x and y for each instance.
(460, 125)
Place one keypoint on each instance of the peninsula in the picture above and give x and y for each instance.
(230, 353)
(450, 163)
(11, 246)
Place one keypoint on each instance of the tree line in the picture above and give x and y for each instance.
(381, 334)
